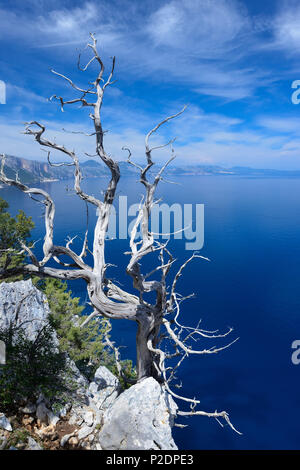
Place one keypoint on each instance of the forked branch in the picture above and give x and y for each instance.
(157, 320)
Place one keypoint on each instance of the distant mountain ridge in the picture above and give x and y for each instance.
(33, 171)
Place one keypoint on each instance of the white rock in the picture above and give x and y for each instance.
(65, 439)
(105, 388)
(75, 420)
(4, 423)
(99, 417)
(33, 445)
(141, 418)
(89, 418)
(33, 312)
(53, 418)
(85, 431)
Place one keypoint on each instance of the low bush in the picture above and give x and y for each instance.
(32, 367)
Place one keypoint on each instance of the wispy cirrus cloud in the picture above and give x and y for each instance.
(211, 139)
(286, 28)
(216, 54)
(202, 43)
(204, 29)
(280, 124)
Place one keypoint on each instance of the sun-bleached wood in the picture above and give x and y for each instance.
(157, 321)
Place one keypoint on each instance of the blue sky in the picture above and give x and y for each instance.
(232, 61)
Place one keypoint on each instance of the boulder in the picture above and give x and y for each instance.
(66, 438)
(141, 418)
(4, 423)
(89, 418)
(105, 388)
(33, 445)
(42, 413)
(85, 431)
(23, 305)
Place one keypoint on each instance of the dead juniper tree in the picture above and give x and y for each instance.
(157, 321)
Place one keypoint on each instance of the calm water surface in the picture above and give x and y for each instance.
(252, 236)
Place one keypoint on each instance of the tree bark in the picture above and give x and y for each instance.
(146, 360)
(108, 299)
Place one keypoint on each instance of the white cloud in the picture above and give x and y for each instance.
(280, 124)
(287, 27)
(283, 29)
(205, 46)
(201, 43)
(203, 29)
(23, 96)
(14, 142)
(203, 138)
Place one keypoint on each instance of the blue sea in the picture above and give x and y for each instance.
(252, 237)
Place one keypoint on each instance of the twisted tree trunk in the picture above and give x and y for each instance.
(147, 364)
(107, 299)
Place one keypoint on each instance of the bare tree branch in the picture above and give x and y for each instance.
(154, 331)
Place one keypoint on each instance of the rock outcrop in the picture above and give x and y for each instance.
(98, 414)
(24, 306)
(105, 388)
(141, 418)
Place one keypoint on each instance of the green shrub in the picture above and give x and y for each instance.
(12, 230)
(32, 367)
(85, 345)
